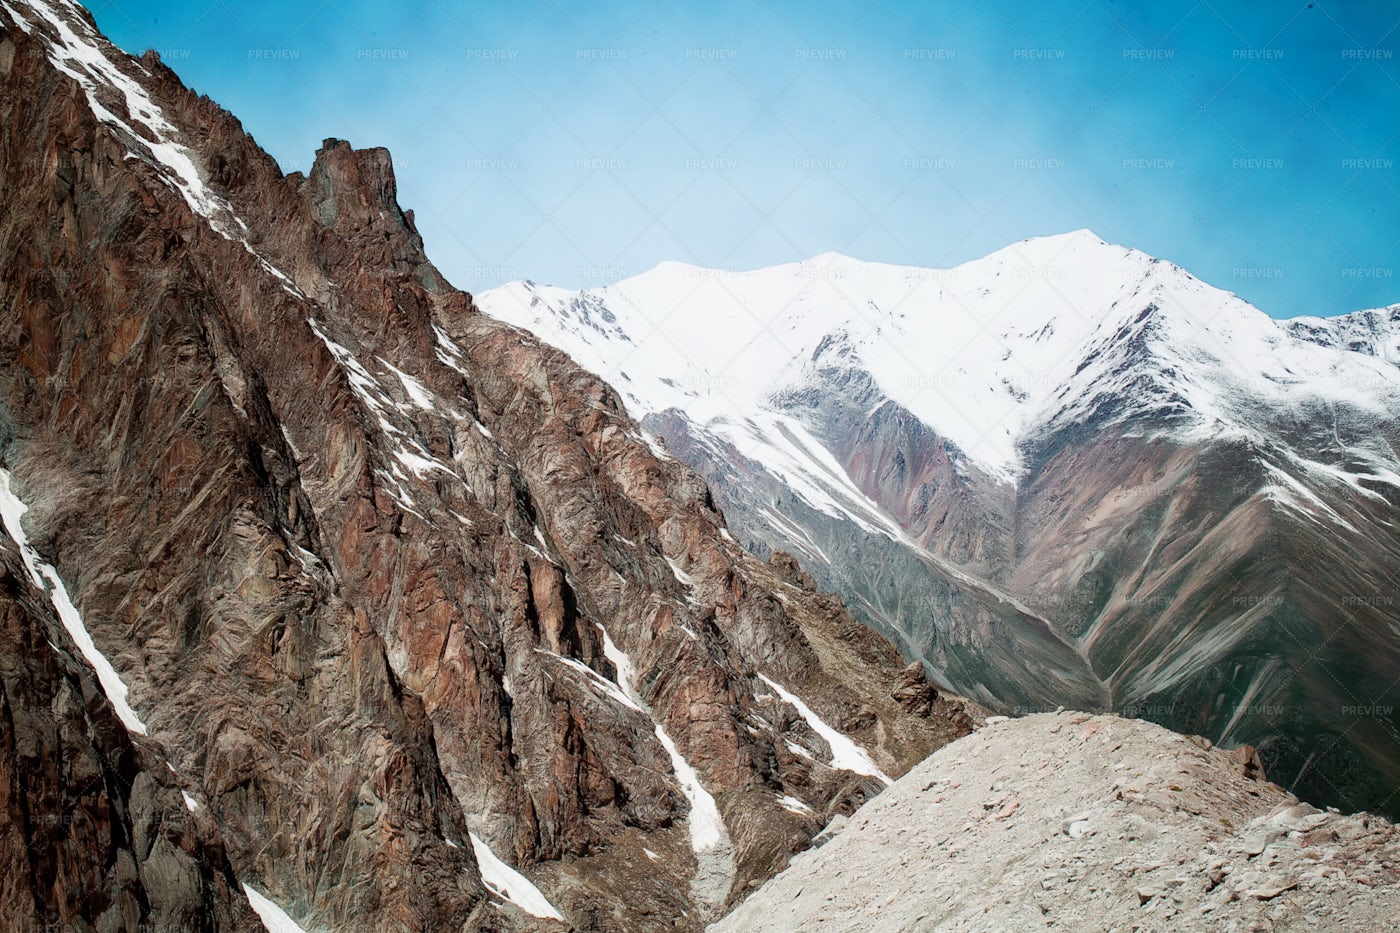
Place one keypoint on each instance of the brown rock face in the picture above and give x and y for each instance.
(1246, 762)
(913, 691)
(388, 580)
(93, 832)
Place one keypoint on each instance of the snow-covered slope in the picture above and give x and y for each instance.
(1374, 333)
(986, 354)
(1065, 473)
(974, 351)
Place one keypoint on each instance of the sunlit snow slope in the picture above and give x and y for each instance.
(985, 353)
(1067, 472)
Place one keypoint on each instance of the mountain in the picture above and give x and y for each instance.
(94, 831)
(1085, 823)
(329, 601)
(1067, 473)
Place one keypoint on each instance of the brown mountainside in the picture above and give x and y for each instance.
(397, 590)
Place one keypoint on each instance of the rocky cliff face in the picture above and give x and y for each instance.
(94, 833)
(430, 634)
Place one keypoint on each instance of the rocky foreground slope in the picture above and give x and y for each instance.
(372, 608)
(1074, 822)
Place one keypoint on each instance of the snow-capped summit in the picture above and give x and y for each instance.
(1067, 472)
(986, 353)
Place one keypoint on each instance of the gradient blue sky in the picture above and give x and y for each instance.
(1253, 143)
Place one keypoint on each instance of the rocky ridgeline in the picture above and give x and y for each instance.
(429, 634)
(1074, 822)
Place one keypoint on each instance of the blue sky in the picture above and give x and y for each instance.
(1253, 143)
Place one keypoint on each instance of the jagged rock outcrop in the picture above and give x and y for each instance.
(1067, 821)
(432, 635)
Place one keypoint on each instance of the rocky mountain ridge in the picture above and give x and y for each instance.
(425, 630)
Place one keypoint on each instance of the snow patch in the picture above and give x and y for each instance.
(421, 465)
(793, 805)
(505, 882)
(796, 537)
(846, 755)
(403, 448)
(654, 443)
(1289, 492)
(413, 387)
(449, 352)
(683, 578)
(609, 688)
(798, 750)
(274, 919)
(46, 578)
(707, 831)
(19, 20)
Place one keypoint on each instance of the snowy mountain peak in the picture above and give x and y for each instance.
(1055, 242)
(988, 353)
(1067, 464)
(829, 257)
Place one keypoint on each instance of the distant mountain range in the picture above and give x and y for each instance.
(1068, 473)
